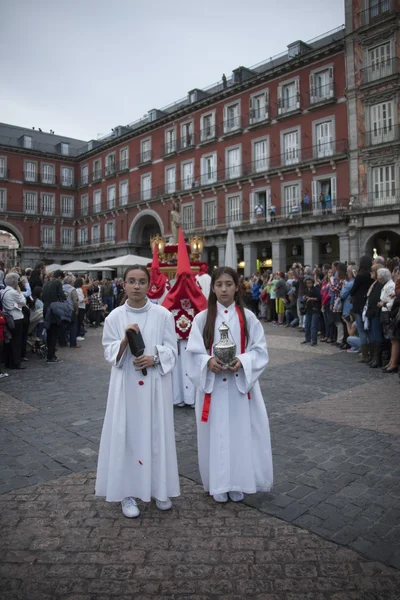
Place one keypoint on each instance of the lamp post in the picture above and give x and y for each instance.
(196, 244)
(160, 243)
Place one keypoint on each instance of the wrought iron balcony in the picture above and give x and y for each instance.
(380, 70)
(384, 135)
(208, 134)
(97, 175)
(186, 143)
(144, 158)
(258, 116)
(321, 94)
(288, 105)
(30, 177)
(232, 125)
(48, 179)
(378, 11)
(168, 148)
(67, 182)
(4, 174)
(123, 165)
(110, 170)
(83, 181)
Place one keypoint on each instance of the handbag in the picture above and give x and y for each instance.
(338, 305)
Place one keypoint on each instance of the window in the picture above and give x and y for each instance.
(67, 206)
(377, 7)
(85, 205)
(124, 159)
(67, 176)
(379, 62)
(27, 142)
(95, 234)
(145, 150)
(207, 126)
(110, 165)
(324, 139)
(96, 169)
(64, 149)
(291, 148)
(48, 174)
(258, 107)
(324, 188)
(234, 211)
(321, 85)
(210, 213)
(123, 193)
(3, 200)
(260, 198)
(111, 196)
(48, 204)
(233, 166)
(289, 97)
(48, 237)
(170, 141)
(187, 175)
(187, 135)
(30, 171)
(30, 207)
(83, 235)
(382, 125)
(97, 201)
(292, 199)
(67, 237)
(232, 118)
(109, 231)
(209, 169)
(3, 164)
(188, 217)
(384, 185)
(261, 155)
(146, 187)
(170, 180)
(85, 175)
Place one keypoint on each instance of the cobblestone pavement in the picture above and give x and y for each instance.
(335, 432)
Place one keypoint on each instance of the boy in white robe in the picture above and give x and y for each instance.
(233, 436)
(137, 457)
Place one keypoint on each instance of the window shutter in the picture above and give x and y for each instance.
(266, 106)
(251, 111)
(280, 100)
(268, 204)
(331, 87)
(297, 81)
(312, 87)
(252, 207)
(314, 196)
(333, 192)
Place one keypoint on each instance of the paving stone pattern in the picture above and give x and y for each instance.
(336, 461)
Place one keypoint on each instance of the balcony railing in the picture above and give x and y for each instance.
(48, 179)
(258, 115)
(123, 165)
(186, 143)
(320, 94)
(379, 70)
(30, 177)
(380, 10)
(169, 148)
(67, 182)
(288, 104)
(232, 125)
(208, 134)
(110, 170)
(83, 181)
(97, 175)
(144, 158)
(4, 174)
(385, 135)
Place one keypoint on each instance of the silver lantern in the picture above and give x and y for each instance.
(225, 350)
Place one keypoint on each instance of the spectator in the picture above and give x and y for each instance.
(13, 300)
(362, 283)
(73, 301)
(393, 330)
(280, 292)
(53, 292)
(373, 319)
(312, 307)
(78, 284)
(107, 295)
(292, 319)
(96, 307)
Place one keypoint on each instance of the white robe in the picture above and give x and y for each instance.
(234, 446)
(204, 282)
(184, 390)
(137, 454)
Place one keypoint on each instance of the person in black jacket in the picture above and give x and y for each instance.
(53, 292)
(374, 319)
(362, 283)
(312, 305)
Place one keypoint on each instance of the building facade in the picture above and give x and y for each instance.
(282, 152)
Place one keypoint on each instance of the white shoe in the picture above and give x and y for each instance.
(130, 508)
(221, 497)
(3, 375)
(163, 504)
(80, 339)
(236, 496)
(181, 405)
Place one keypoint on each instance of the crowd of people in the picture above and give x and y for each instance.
(40, 310)
(354, 307)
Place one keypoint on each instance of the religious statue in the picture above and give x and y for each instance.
(175, 217)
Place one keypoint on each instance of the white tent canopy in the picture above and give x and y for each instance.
(122, 261)
(53, 267)
(78, 266)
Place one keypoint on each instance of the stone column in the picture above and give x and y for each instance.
(279, 255)
(311, 251)
(344, 247)
(250, 259)
(221, 256)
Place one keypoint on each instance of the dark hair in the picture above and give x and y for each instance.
(78, 283)
(336, 263)
(365, 264)
(37, 292)
(208, 333)
(341, 269)
(139, 268)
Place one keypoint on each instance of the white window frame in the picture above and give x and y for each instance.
(45, 230)
(109, 225)
(187, 140)
(3, 167)
(289, 210)
(45, 179)
(260, 167)
(84, 205)
(211, 132)
(317, 94)
(83, 235)
(145, 155)
(235, 171)
(85, 177)
(3, 200)
(111, 165)
(383, 189)
(257, 115)
(170, 145)
(233, 123)
(379, 67)
(382, 129)
(33, 176)
(207, 176)
(187, 185)
(145, 194)
(66, 211)
(124, 160)
(292, 156)
(111, 203)
(266, 216)
(97, 168)
(70, 232)
(327, 148)
(97, 205)
(188, 224)
(284, 106)
(48, 204)
(32, 198)
(64, 148)
(96, 228)
(210, 221)
(65, 181)
(316, 191)
(28, 142)
(123, 198)
(234, 219)
(170, 187)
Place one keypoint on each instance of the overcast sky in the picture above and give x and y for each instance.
(81, 67)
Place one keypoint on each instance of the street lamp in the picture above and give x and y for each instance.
(328, 248)
(295, 250)
(196, 244)
(160, 243)
(388, 245)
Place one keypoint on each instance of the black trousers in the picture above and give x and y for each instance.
(52, 336)
(16, 344)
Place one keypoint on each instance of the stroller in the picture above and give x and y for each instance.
(37, 335)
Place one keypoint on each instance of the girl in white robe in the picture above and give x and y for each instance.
(234, 445)
(137, 457)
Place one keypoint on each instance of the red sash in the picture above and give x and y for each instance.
(207, 396)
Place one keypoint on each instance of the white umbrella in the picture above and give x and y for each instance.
(53, 267)
(230, 251)
(122, 261)
(78, 266)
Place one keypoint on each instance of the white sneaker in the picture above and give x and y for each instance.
(181, 405)
(3, 375)
(80, 339)
(236, 496)
(130, 508)
(221, 497)
(163, 504)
